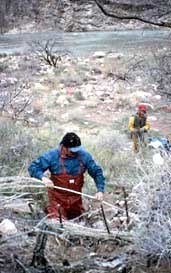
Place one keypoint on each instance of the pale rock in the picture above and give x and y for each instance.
(65, 116)
(121, 203)
(91, 254)
(109, 108)
(91, 103)
(99, 54)
(120, 87)
(33, 121)
(54, 92)
(13, 80)
(115, 55)
(4, 83)
(123, 219)
(145, 96)
(116, 222)
(89, 88)
(117, 202)
(39, 86)
(99, 94)
(158, 159)
(7, 227)
(138, 79)
(62, 100)
(70, 128)
(108, 101)
(61, 85)
(157, 97)
(86, 122)
(152, 118)
(88, 116)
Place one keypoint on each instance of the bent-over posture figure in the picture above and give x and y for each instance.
(138, 125)
(67, 165)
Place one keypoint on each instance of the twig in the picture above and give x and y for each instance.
(21, 265)
(104, 218)
(126, 205)
(60, 215)
(38, 253)
(4, 240)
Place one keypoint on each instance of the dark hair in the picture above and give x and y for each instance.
(71, 140)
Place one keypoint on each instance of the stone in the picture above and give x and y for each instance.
(7, 227)
(99, 54)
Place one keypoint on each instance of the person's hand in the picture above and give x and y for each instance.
(141, 130)
(99, 196)
(136, 130)
(47, 182)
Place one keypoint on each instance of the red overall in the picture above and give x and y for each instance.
(69, 204)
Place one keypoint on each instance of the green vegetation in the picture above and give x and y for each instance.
(19, 145)
(3, 67)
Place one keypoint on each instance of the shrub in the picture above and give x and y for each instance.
(152, 205)
(3, 66)
(15, 148)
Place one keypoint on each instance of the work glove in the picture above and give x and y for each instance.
(142, 130)
(135, 130)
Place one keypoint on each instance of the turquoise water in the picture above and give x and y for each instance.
(83, 43)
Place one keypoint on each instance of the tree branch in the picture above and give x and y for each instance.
(133, 17)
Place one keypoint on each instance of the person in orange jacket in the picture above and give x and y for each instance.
(138, 125)
(67, 164)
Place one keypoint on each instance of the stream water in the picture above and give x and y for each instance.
(83, 43)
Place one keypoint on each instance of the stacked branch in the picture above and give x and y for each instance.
(71, 228)
(24, 186)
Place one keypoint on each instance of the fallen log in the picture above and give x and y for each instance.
(74, 229)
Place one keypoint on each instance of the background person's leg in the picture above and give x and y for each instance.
(142, 140)
(134, 142)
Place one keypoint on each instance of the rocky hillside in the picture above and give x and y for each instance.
(69, 15)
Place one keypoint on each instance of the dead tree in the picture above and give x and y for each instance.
(47, 52)
(13, 102)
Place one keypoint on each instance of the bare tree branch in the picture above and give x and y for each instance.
(132, 17)
(47, 52)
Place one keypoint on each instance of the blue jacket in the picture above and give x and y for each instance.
(50, 161)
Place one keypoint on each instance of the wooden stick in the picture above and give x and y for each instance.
(11, 179)
(105, 221)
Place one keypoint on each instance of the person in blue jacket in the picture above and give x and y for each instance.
(67, 165)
